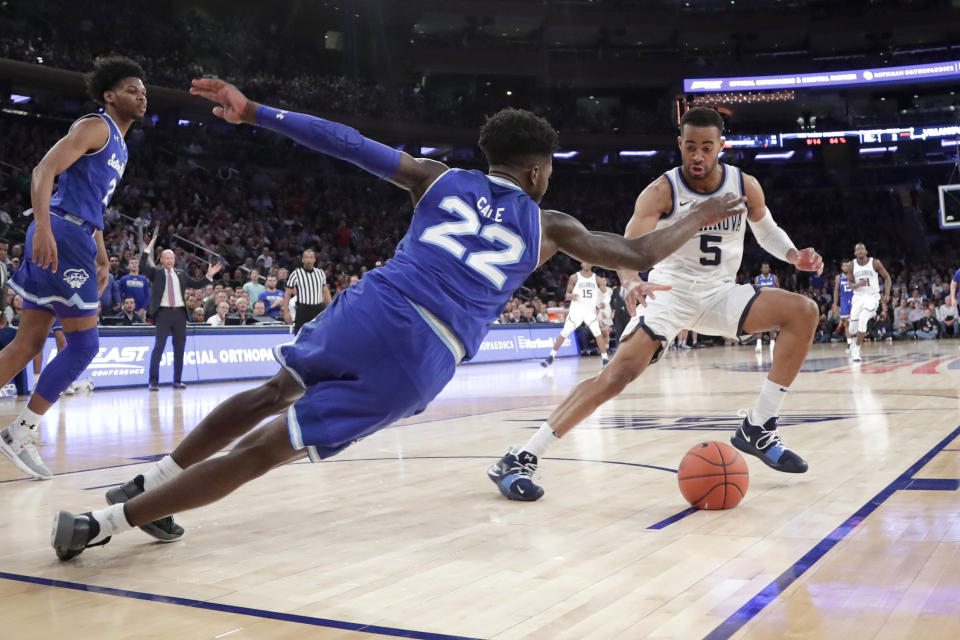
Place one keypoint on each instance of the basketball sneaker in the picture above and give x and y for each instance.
(547, 361)
(603, 363)
(759, 347)
(19, 443)
(764, 442)
(164, 529)
(513, 475)
(855, 353)
(72, 534)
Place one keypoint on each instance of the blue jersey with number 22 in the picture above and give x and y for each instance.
(472, 242)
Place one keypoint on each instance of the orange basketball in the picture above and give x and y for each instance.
(713, 475)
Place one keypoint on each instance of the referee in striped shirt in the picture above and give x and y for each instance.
(309, 284)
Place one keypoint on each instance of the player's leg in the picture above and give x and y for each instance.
(796, 316)
(18, 440)
(513, 473)
(231, 419)
(569, 325)
(594, 326)
(197, 486)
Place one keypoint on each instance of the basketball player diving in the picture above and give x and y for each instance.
(386, 346)
(697, 290)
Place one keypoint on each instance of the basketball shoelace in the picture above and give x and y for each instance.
(766, 438)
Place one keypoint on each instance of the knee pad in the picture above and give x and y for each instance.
(82, 347)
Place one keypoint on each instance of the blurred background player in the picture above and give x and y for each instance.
(766, 279)
(866, 295)
(585, 290)
(66, 266)
(843, 298)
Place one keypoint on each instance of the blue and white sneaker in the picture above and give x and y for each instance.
(513, 475)
(546, 362)
(765, 443)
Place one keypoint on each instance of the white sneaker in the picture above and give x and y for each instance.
(72, 389)
(855, 353)
(22, 451)
(773, 343)
(759, 348)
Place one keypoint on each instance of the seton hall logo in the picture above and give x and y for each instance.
(75, 277)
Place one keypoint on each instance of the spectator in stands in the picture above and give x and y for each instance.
(926, 328)
(197, 316)
(128, 312)
(111, 297)
(219, 319)
(253, 288)
(260, 311)
(7, 334)
(13, 310)
(137, 287)
(210, 308)
(272, 298)
(242, 315)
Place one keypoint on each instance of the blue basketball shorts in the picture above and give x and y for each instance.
(371, 358)
(845, 306)
(71, 292)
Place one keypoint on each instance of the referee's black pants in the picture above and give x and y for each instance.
(169, 320)
(306, 313)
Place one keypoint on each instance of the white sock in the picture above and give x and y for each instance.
(603, 354)
(111, 520)
(164, 471)
(27, 422)
(769, 402)
(553, 353)
(541, 441)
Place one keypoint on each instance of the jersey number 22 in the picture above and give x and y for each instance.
(481, 261)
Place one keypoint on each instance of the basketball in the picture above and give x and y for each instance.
(713, 475)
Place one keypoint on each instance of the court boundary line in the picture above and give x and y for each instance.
(739, 618)
(235, 609)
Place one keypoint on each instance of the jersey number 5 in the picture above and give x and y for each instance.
(710, 250)
(481, 261)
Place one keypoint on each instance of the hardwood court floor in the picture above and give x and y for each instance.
(402, 535)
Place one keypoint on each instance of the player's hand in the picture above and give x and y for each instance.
(286, 316)
(214, 269)
(807, 260)
(836, 310)
(45, 249)
(713, 210)
(103, 277)
(232, 103)
(638, 292)
(574, 297)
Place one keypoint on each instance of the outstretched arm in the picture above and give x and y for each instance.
(331, 138)
(770, 236)
(888, 289)
(562, 232)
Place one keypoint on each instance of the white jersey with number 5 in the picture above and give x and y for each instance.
(589, 291)
(714, 254)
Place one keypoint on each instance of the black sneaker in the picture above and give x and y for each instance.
(513, 475)
(164, 529)
(603, 363)
(547, 361)
(765, 443)
(72, 534)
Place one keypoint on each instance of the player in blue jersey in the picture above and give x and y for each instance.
(843, 297)
(766, 280)
(65, 267)
(386, 346)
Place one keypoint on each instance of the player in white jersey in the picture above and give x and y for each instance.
(584, 291)
(866, 294)
(698, 291)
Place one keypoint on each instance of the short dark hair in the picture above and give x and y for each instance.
(107, 72)
(703, 117)
(510, 134)
(125, 298)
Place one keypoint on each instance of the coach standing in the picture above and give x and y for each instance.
(167, 308)
(309, 284)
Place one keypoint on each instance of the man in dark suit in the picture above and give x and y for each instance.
(167, 285)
